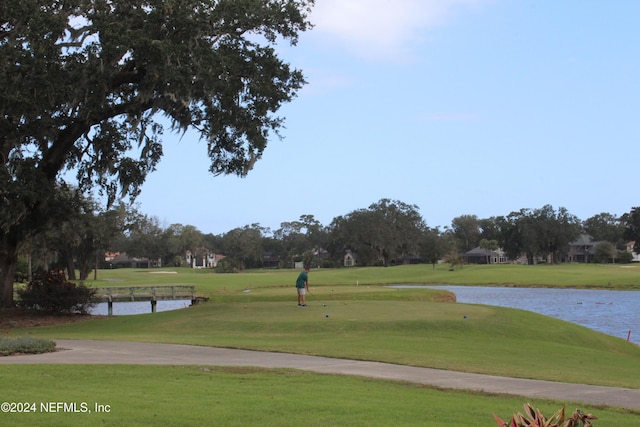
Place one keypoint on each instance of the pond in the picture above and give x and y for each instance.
(615, 313)
(142, 307)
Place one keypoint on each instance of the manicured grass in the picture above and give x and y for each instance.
(609, 276)
(396, 326)
(188, 395)
(257, 310)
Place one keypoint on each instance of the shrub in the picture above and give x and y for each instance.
(534, 418)
(625, 257)
(228, 265)
(179, 261)
(53, 293)
(22, 271)
(9, 346)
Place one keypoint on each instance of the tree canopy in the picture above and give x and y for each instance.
(542, 232)
(88, 86)
(632, 227)
(387, 230)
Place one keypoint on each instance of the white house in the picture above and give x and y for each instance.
(636, 256)
(202, 258)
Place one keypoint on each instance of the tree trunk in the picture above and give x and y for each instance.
(530, 259)
(84, 272)
(69, 264)
(29, 267)
(95, 270)
(85, 267)
(8, 267)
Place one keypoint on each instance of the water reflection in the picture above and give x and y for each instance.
(616, 313)
(141, 307)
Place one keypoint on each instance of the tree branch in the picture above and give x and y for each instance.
(54, 158)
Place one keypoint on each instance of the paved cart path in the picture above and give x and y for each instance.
(112, 352)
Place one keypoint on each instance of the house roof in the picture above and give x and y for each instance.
(123, 257)
(583, 240)
(478, 251)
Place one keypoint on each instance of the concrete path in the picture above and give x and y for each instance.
(111, 352)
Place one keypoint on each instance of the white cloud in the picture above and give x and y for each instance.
(382, 28)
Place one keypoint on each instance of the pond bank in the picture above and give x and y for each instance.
(615, 313)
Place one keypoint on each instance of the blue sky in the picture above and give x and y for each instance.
(461, 107)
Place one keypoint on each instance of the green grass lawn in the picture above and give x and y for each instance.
(226, 396)
(491, 340)
(609, 276)
(257, 310)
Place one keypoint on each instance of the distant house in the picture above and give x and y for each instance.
(109, 256)
(122, 260)
(630, 248)
(479, 255)
(349, 259)
(321, 254)
(410, 259)
(202, 258)
(582, 249)
(270, 260)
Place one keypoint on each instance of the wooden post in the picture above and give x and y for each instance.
(110, 305)
(153, 305)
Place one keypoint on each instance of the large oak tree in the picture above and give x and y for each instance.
(88, 84)
(387, 231)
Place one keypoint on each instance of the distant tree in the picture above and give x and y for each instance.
(518, 236)
(488, 245)
(489, 228)
(245, 245)
(625, 257)
(556, 230)
(631, 222)
(454, 258)
(77, 240)
(604, 226)
(389, 228)
(147, 239)
(537, 233)
(466, 230)
(304, 236)
(109, 226)
(432, 246)
(86, 82)
(86, 234)
(81, 229)
(605, 252)
(67, 234)
(342, 237)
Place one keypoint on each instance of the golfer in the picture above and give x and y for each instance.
(302, 286)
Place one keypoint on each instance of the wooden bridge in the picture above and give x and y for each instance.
(147, 293)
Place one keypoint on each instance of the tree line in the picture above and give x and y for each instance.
(385, 233)
(90, 86)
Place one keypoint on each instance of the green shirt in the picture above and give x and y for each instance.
(302, 280)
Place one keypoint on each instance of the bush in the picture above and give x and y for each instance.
(625, 257)
(228, 265)
(53, 293)
(534, 418)
(327, 263)
(9, 346)
(22, 271)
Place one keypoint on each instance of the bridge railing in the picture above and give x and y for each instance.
(146, 293)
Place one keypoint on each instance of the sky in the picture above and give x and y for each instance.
(459, 107)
